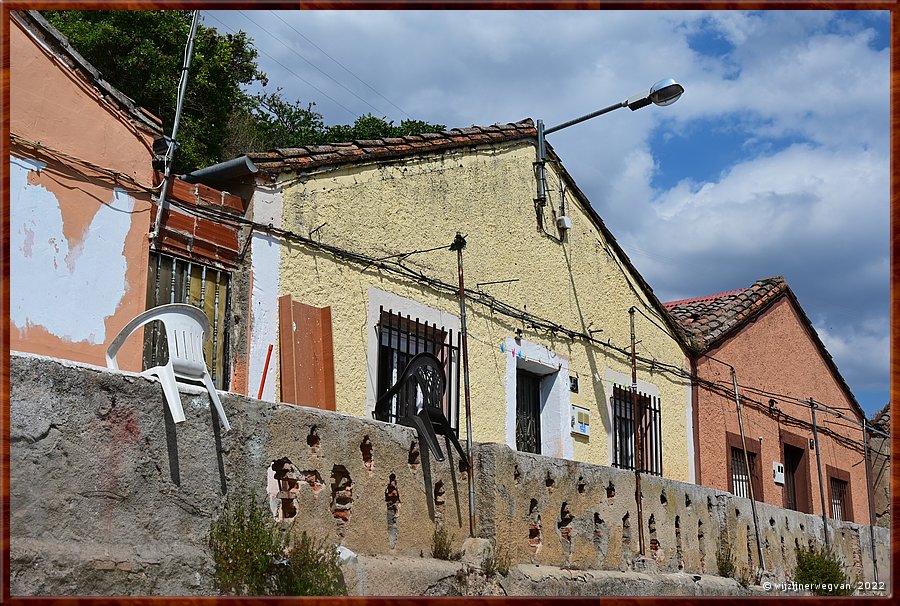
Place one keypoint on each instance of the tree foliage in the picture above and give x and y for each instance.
(141, 53)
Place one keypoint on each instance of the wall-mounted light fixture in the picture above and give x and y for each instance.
(665, 92)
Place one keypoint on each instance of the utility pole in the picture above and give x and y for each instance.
(812, 407)
(458, 245)
(170, 152)
(737, 402)
(638, 458)
(870, 497)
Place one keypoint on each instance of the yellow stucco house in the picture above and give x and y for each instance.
(355, 276)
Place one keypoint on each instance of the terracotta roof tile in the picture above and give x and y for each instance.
(706, 319)
(313, 156)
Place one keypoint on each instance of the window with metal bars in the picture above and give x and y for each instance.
(175, 280)
(402, 337)
(649, 427)
(528, 412)
(840, 502)
(740, 478)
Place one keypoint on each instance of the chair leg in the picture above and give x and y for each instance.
(437, 418)
(427, 436)
(207, 380)
(170, 389)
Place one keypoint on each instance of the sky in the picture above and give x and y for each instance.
(775, 161)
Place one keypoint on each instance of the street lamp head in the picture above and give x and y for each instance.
(666, 92)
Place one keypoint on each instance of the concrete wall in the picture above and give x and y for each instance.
(109, 497)
(775, 354)
(77, 236)
(487, 194)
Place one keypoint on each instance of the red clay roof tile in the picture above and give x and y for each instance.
(313, 156)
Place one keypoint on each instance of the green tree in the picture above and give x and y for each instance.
(141, 53)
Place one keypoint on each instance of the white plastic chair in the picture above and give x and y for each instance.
(186, 331)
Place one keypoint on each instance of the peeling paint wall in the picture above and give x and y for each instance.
(487, 194)
(77, 236)
(94, 448)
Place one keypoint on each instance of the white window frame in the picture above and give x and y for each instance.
(556, 420)
(377, 299)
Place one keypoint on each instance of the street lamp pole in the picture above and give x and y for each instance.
(664, 92)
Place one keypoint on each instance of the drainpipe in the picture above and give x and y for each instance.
(812, 407)
(869, 494)
(458, 245)
(638, 452)
(737, 401)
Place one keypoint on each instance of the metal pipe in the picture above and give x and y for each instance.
(737, 402)
(599, 112)
(170, 152)
(458, 245)
(637, 438)
(870, 495)
(812, 407)
(542, 143)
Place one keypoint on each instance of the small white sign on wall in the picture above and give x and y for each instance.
(581, 421)
(778, 472)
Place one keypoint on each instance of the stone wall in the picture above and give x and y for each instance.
(108, 496)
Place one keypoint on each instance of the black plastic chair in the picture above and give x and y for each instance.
(424, 374)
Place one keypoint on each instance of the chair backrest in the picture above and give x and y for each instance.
(186, 332)
(423, 374)
(186, 329)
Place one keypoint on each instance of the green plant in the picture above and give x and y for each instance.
(255, 556)
(821, 569)
(725, 561)
(497, 562)
(442, 544)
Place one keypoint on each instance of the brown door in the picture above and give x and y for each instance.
(796, 479)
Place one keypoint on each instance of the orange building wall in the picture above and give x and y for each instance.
(774, 353)
(79, 248)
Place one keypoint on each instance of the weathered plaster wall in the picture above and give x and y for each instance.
(487, 195)
(77, 237)
(109, 497)
(775, 354)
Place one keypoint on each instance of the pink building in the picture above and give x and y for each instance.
(780, 363)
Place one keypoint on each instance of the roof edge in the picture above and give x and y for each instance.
(35, 22)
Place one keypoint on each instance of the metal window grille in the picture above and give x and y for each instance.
(528, 412)
(402, 337)
(175, 280)
(839, 500)
(649, 427)
(740, 479)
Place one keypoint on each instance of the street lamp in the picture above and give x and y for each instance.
(664, 92)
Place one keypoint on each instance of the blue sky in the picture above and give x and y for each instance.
(774, 162)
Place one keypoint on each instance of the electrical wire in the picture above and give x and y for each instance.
(327, 75)
(486, 300)
(298, 76)
(345, 68)
(116, 175)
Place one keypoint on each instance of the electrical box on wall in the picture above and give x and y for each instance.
(581, 421)
(778, 472)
